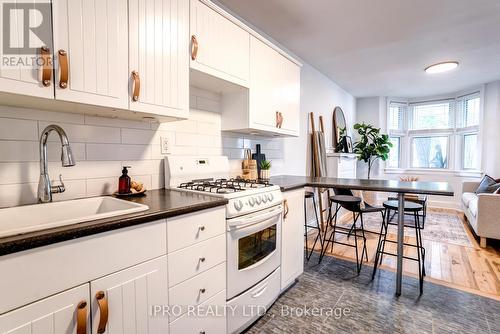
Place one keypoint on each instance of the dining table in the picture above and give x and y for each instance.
(290, 182)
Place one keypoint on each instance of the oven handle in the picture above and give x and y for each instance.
(260, 292)
(245, 222)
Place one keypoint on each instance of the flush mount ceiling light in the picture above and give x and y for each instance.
(441, 67)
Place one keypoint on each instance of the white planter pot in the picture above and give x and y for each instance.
(264, 174)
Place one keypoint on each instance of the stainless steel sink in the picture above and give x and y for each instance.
(37, 217)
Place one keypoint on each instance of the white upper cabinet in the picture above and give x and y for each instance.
(16, 78)
(219, 47)
(91, 50)
(158, 56)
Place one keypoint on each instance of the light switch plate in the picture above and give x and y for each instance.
(164, 145)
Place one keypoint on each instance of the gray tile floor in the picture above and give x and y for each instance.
(346, 303)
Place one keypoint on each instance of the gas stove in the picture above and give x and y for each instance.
(210, 176)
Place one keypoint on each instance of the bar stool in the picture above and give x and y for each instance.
(410, 208)
(344, 199)
(310, 195)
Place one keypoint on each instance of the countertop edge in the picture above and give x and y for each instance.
(27, 241)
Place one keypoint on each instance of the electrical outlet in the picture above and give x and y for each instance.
(164, 144)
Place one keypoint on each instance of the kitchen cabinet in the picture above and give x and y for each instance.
(20, 79)
(219, 47)
(121, 302)
(274, 90)
(158, 56)
(91, 51)
(271, 106)
(57, 314)
(292, 234)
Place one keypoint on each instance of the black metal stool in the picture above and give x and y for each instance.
(344, 199)
(308, 195)
(411, 208)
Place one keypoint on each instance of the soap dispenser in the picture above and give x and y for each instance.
(124, 181)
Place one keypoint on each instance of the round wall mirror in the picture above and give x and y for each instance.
(339, 139)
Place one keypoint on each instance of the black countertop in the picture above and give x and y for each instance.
(162, 204)
(290, 182)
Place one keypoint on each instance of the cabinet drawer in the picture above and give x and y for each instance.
(193, 260)
(200, 288)
(189, 229)
(210, 324)
(40, 272)
(260, 297)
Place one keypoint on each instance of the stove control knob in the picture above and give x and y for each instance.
(251, 201)
(270, 197)
(258, 199)
(238, 205)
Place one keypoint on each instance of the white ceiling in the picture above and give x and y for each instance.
(381, 47)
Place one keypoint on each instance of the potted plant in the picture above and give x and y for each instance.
(265, 166)
(372, 145)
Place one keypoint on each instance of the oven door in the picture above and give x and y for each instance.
(254, 248)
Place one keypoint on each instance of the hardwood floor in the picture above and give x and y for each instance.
(472, 269)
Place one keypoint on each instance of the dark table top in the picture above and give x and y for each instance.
(290, 182)
(162, 204)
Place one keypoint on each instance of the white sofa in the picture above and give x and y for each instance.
(482, 212)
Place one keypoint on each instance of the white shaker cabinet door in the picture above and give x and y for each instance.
(19, 72)
(128, 296)
(219, 46)
(289, 97)
(159, 51)
(91, 52)
(265, 70)
(58, 314)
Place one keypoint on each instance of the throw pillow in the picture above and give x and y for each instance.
(488, 185)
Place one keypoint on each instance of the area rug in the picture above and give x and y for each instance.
(330, 298)
(443, 227)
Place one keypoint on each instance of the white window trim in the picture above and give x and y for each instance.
(455, 137)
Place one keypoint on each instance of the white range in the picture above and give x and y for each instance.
(253, 216)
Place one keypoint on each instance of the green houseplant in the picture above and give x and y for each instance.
(372, 145)
(265, 166)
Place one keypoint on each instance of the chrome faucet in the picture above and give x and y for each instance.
(45, 187)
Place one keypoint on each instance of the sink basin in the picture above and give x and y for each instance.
(37, 217)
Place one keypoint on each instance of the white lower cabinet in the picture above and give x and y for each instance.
(292, 237)
(57, 314)
(207, 318)
(123, 302)
(118, 282)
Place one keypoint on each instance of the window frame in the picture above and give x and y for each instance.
(456, 133)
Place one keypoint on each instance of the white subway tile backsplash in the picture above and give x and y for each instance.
(134, 136)
(54, 151)
(112, 152)
(85, 133)
(18, 194)
(18, 151)
(101, 186)
(41, 115)
(19, 172)
(18, 129)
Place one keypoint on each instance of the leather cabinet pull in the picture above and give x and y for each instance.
(103, 311)
(81, 318)
(63, 69)
(46, 66)
(136, 91)
(194, 47)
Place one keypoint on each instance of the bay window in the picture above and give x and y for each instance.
(440, 134)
